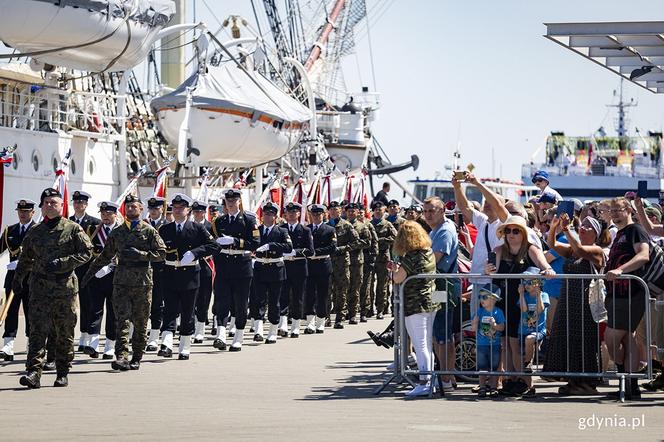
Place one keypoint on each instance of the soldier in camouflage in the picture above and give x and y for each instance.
(356, 260)
(51, 251)
(347, 239)
(386, 233)
(369, 273)
(394, 214)
(135, 244)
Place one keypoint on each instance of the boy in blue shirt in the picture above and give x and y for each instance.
(488, 324)
(534, 304)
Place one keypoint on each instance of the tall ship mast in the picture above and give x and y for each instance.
(113, 92)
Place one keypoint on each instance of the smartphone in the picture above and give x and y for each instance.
(565, 207)
(492, 258)
(460, 219)
(642, 191)
(460, 175)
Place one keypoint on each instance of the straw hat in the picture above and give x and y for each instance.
(513, 220)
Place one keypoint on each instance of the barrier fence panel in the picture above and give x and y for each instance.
(520, 344)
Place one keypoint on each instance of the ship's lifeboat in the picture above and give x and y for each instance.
(127, 29)
(232, 117)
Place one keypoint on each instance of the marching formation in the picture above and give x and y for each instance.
(166, 272)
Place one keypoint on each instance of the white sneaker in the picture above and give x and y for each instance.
(420, 390)
(8, 347)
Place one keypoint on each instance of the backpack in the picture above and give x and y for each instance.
(653, 270)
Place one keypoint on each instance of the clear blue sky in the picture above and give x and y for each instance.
(481, 73)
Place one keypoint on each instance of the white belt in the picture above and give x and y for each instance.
(269, 260)
(177, 264)
(319, 257)
(235, 252)
(295, 258)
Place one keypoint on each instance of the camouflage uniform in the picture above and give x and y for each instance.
(136, 247)
(51, 251)
(417, 293)
(367, 291)
(386, 233)
(346, 240)
(357, 266)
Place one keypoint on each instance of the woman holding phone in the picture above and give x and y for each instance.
(514, 256)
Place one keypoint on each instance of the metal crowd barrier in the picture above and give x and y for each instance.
(403, 374)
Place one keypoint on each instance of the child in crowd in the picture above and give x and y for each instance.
(488, 324)
(534, 304)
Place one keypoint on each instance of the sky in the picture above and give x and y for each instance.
(480, 74)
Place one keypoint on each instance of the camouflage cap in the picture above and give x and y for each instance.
(352, 206)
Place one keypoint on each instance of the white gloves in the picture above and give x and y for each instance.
(187, 258)
(225, 240)
(103, 271)
(12, 265)
(263, 248)
(290, 254)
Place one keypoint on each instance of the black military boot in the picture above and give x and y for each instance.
(135, 363)
(49, 366)
(120, 364)
(61, 380)
(30, 380)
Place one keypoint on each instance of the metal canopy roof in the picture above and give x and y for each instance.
(633, 50)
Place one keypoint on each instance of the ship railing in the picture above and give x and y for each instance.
(48, 109)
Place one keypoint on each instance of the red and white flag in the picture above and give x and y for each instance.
(160, 184)
(131, 188)
(60, 183)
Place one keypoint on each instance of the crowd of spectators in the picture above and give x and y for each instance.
(538, 322)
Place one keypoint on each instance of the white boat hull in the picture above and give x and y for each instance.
(35, 25)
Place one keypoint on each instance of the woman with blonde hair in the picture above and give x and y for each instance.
(412, 248)
(514, 256)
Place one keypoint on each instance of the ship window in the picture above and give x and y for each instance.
(72, 167)
(421, 192)
(444, 193)
(15, 161)
(55, 164)
(91, 167)
(35, 160)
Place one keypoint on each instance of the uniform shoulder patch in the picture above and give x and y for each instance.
(256, 233)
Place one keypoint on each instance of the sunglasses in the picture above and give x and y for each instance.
(485, 297)
(530, 282)
(539, 180)
(515, 231)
